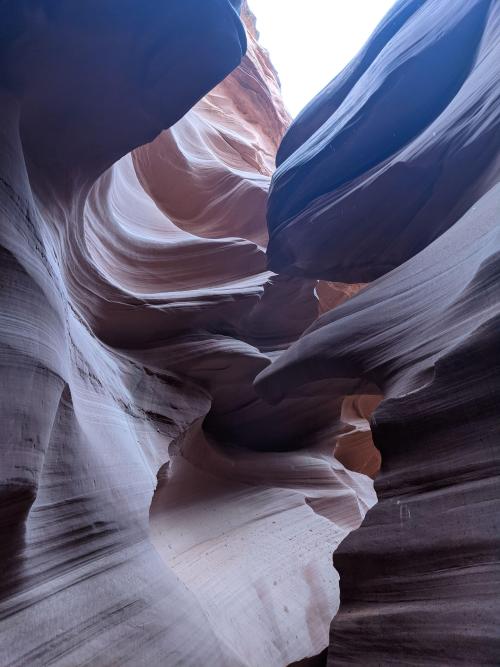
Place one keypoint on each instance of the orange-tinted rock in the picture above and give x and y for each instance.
(331, 295)
(211, 172)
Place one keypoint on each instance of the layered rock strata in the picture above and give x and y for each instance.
(154, 509)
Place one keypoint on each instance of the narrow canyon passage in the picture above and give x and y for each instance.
(219, 326)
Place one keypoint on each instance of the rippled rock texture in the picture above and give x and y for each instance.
(155, 510)
(393, 173)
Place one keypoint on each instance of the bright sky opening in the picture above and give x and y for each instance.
(310, 41)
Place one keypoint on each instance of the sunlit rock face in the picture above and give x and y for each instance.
(155, 510)
(395, 165)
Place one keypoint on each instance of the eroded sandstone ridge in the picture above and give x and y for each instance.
(154, 510)
(401, 147)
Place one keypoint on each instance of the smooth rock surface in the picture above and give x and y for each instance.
(393, 172)
(152, 513)
(396, 149)
(419, 579)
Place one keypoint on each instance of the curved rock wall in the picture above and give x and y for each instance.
(395, 150)
(154, 509)
(419, 578)
(161, 505)
(388, 157)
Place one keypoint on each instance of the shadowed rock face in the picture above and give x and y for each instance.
(386, 159)
(155, 510)
(374, 169)
(97, 78)
(419, 579)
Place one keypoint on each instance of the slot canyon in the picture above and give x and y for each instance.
(250, 364)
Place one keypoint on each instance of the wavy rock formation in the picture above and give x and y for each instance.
(373, 170)
(154, 509)
(388, 157)
(161, 505)
(419, 580)
(210, 173)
